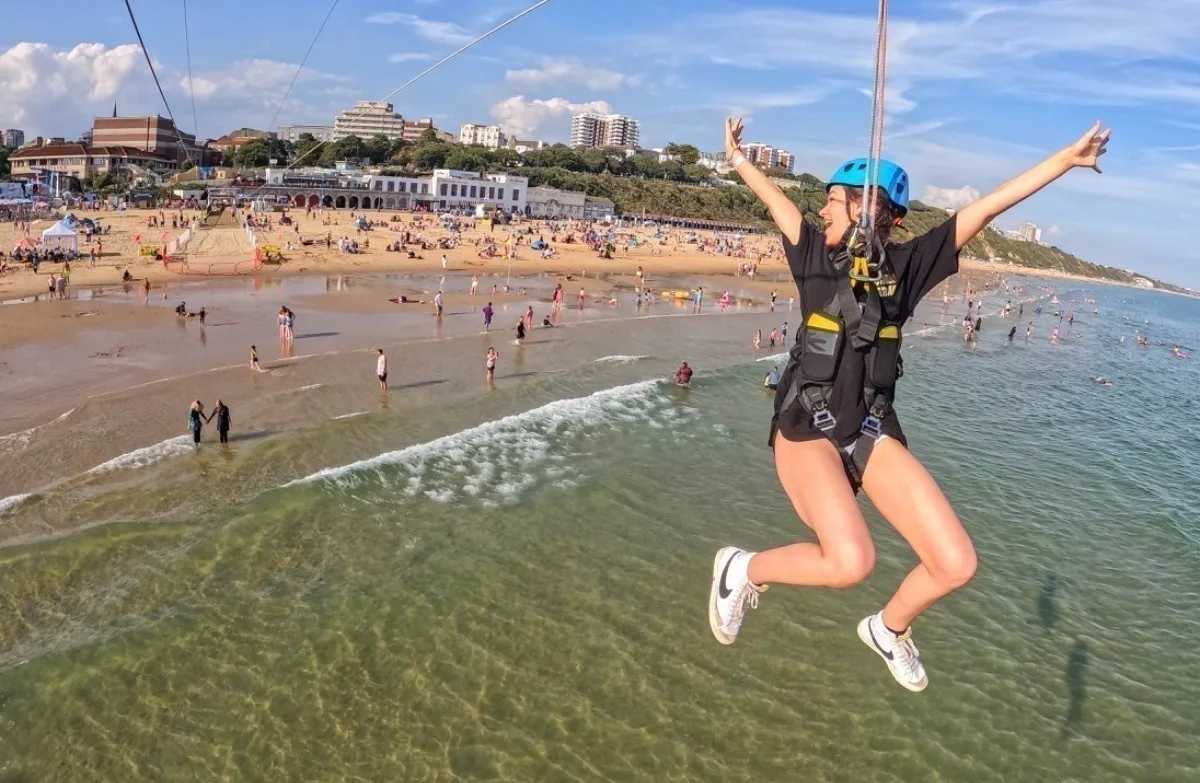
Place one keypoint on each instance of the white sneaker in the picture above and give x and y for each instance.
(732, 592)
(899, 652)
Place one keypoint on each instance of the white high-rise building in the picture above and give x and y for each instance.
(368, 119)
(603, 130)
(489, 136)
(1031, 233)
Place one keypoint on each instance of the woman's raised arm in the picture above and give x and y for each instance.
(1084, 153)
(784, 213)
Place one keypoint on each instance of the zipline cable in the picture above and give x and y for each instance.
(300, 68)
(421, 75)
(187, 45)
(875, 144)
(157, 83)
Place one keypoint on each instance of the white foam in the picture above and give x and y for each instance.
(12, 501)
(350, 415)
(498, 461)
(148, 455)
(618, 359)
(311, 386)
(775, 357)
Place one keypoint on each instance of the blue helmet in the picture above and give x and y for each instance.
(892, 179)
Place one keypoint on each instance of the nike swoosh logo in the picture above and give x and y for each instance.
(879, 647)
(722, 590)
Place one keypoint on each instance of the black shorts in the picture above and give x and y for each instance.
(383, 378)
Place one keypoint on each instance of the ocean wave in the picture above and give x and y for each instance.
(148, 455)
(500, 460)
(350, 415)
(12, 501)
(618, 359)
(310, 386)
(775, 357)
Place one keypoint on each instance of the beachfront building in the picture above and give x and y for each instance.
(603, 130)
(390, 190)
(767, 157)
(294, 132)
(414, 130)
(83, 161)
(467, 189)
(330, 188)
(369, 119)
(1030, 232)
(555, 203)
(524, 145)
(597, 208)
(149, 134)
(714, 161)
(489, 136)
(14, 137)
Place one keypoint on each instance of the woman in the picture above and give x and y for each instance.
(828, 440)
(520, 331)
(196, 420)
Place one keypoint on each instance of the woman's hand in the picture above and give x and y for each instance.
(733, 138)
(1086, 152)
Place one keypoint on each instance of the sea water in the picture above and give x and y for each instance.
(516, 589)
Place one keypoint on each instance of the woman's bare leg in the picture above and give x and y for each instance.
(812, 475)
(910, 499)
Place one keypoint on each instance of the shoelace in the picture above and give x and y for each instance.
(909, 656)
(735, 621)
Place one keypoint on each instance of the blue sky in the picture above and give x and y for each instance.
(978, 91)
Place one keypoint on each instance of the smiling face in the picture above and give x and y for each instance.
(841, 211)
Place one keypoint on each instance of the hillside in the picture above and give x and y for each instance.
(735, 202)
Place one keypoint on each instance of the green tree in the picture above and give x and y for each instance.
(686, 153)
(304, 146)
(779, 172)
(464, 160)
(252, 155)
(379, 148)
(5, 167)
(431, 155)
(504, 158)
(427, 136)
(101, 182)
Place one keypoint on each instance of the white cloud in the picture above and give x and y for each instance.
(429, 29)
(55, 92)
(949, 198)
(247, 92)
(571, 70)
(409, 57)
(526, 119)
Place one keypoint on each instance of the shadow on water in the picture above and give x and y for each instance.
(1047, 602)
(1075, 678)
(315, 334)
(418, 384)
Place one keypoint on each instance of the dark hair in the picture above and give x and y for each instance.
(886, 212)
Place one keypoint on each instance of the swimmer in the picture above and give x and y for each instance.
(1102, 381)
(683, 376)
(1012, 333)
(771, 381)
(492, 356)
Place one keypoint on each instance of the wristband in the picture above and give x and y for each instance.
(738, 160)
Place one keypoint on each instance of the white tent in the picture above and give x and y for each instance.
(61, 236)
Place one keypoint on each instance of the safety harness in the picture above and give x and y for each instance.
(821, 343)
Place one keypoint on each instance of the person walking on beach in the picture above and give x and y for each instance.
(381, 370)
(833, 435)
(774, 337)
(474, 284)
(437, 302)
(492, 356)
(520, 331)
(196, 420)
(254, 358)
(220, 412)
(757, 339)
(529, 317)
(488, 312)
(203, 314)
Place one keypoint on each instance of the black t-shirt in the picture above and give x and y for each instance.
(918, 266)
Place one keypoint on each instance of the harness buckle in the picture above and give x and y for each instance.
(871, 427)
(823, 419)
